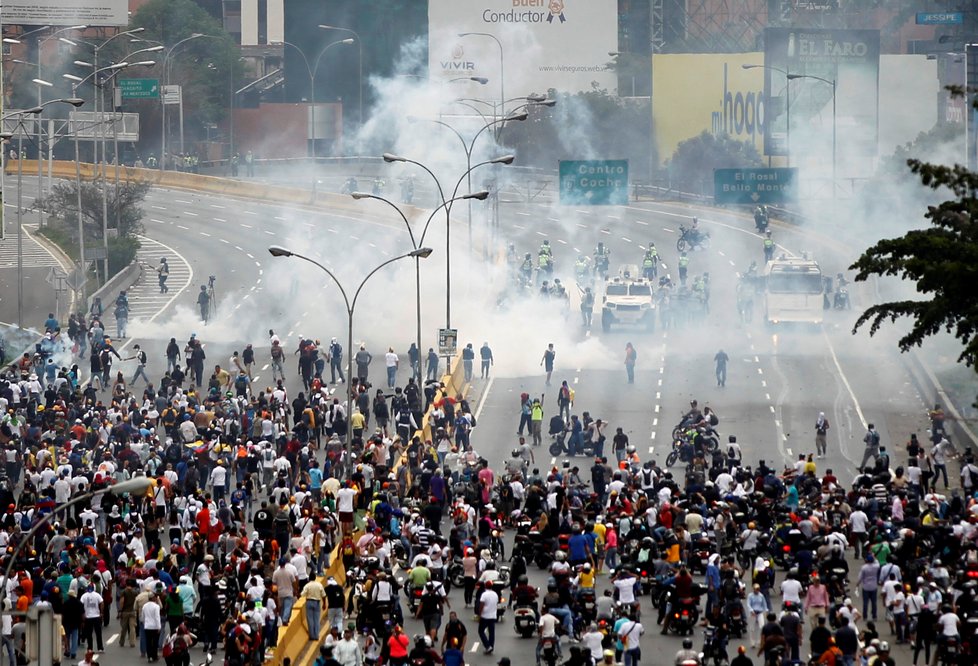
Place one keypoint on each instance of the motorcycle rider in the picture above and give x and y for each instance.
(525, 594)
(547, 630)
(650, 263)
(687, 655)
(682, 589)
(545, 258)
(760, 218)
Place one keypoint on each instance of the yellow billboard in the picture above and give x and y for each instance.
(713, 92)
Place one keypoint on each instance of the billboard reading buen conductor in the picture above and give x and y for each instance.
(542, 44)
(807, 70)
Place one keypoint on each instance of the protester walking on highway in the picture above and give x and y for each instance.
(164, 273)
(872, 441)
(721, 358)
(548, 361)
(432, 363)
(821, 428)
(391, 362)
(278, 361)
(335, 361)
(414, 358)
(140, 357)
(362, 359)
(468, 360)
(485, 353)
(630, 357)
(121, 314)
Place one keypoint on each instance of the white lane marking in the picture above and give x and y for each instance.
(553, 219)
(265, 367)
(157, 221)
(845, 380)
(279, 217)
(246, 226)
(249, 212)
(614, 217)
(482, 400)
(216, 206)
(656, 409)
(655, 421)
(540, 233)
(270, 233)
(518, 226)
(219, 219)
(224, 240)
(767, 396)
(562, 242)
(182, 201)
(582, 226)
(772, 408)
(238, 248)
(760, 372)
(475, 645)
(644, 224)
(251, 256)
(334, 231)
(764, 383)
(627, 240)
(522, 213)
(668, 231)
(180, 226)
(187, 212)
(606, 232)
(158, 207)
(583, 212)
(112, 639)
(204, 233)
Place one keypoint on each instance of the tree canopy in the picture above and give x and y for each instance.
(691, 167)
(940, 260)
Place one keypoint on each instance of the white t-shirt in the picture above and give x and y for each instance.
(390, 358)
(626, 590)
(344, 500)
(219, 476)
(791, 590)
(630, 634)
(490, 605)
(92, 601)
(949, 624)
(858, 521)
(548, 626)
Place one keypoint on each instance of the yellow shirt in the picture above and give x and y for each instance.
(586, 579)
(357, 421)
(672, 554)
(599, 532)
(810, 467)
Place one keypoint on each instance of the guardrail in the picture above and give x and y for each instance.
(121, 281)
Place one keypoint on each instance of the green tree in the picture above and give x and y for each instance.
(940, 260)
(124, 214)
(691, 167)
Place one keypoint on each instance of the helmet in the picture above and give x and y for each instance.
(516, 453)
(527, 255)
(560, 556)
(630, 449)
(687, 644)
(546, 242)
(523, 580)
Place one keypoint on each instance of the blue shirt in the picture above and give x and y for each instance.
(315, 478)
(713, 577)
(579, 547)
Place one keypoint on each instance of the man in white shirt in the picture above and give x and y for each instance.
(547, 628)
(791, 591)
(345, 499)
(92, 603)
(152, 621)
(391, 362)
(488, 607)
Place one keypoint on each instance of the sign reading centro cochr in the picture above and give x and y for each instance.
(754, 186)
(65, 12)
(594, 182)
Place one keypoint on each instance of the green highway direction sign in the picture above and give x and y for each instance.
(754, 186)
(594, 182)
(140, 88)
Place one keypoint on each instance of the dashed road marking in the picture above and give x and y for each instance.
(219, 219)
(158, 207)
(112, 639)
(249, 212)
(522, 213)
(760, 371)
(627, 240)
(562, 241)
(187, 212)
(668, 230)
(204, 233)
(772, 408)
(644, 224)
(216, 206)
(270, 233)
(180, 226)
(246, 226)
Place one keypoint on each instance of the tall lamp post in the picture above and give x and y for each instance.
(359, 66)
(502, 71)
(420, 253)
(831, 82)
(447, 205)
(312, 70)
(787, 107)
(415, 243)
(167, 62)
(35, 111)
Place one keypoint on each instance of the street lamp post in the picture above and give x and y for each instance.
(36, 111)
(312, 82)
(420, 253)
(787, 108)
(831, 82)
(468, 148)
(166, 82)
(447, 205)
(359, 66)
(481, 196)
(502, 72)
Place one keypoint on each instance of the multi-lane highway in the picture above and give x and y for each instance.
(778, 380)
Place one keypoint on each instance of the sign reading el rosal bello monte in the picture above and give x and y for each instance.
(93, 13)
(594, 182)
(754, 186)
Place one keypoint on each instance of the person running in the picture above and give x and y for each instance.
(721, 360)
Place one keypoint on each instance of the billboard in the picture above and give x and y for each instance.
(834, 86)
(65, 12)
(542, 44)
(726, 98)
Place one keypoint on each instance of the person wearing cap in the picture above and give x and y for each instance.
(487, 608)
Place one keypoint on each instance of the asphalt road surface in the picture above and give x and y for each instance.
(777, 382)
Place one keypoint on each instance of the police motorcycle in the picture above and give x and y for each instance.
(761, 219)
(840, 301)
(692, 238)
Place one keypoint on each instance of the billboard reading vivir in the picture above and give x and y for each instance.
(562, 44)
(726, 98)
(850, 59)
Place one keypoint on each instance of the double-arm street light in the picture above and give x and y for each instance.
(787, 107)
(167, 63)
(35, 111)
(312, 70)
(446, 204)
(831, 82)
(418, 253)
(502, 71)
(416, 243)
